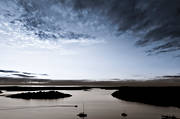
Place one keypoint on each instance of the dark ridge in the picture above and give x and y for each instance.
(1, 91)
(86, 88)
(40, 95)
(18, 88)
(159, 96)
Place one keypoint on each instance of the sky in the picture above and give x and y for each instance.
(90, 39)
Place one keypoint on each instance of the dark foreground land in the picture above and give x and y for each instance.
(159, 96)
(40, 95)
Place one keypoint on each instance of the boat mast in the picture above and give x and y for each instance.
(83, 107)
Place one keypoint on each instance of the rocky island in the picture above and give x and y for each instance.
(40, 95)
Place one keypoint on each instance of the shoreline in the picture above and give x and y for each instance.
(158, 96)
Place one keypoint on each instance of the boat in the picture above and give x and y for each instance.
(124, 115)
(82, 114)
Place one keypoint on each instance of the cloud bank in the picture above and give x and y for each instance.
(12, 73)
(153, 23)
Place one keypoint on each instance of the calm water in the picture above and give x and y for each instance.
(99, 104)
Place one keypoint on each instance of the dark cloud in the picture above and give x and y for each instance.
(155, 22)
(27, 73)
(168, 46)
(17, 73)
(22, 74)
(45, 19)
(8, 71)
(172, 76)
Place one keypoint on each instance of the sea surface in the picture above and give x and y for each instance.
(98, 104)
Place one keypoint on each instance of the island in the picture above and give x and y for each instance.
(40, 95)
(159, 96)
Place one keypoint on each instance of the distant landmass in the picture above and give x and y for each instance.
(160, 96)
(160, 81)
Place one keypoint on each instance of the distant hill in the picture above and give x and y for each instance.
(160, 81)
